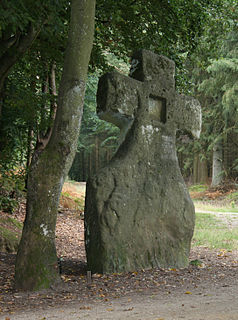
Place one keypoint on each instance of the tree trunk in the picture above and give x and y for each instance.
(83, 175)
(90, 167)
(49, 86)
(96, 154)
(195, 168)
(36, 263)
(30, 148)
(217, 164)
(203, 172)
(200, 170)
(53, 91)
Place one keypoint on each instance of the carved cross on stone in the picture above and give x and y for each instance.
(138, 212)
(151, 83)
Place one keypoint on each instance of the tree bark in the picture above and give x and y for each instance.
(49, 86)
(96, 154)
(217, 164)
(203, 172)
(83, 174)
(53, 91)
(195, 168)
(200, 171)
(36, 263)
(30, 149)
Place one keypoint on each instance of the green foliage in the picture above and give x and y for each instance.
(197, 263)
(233, 196)
(171, 28)
(12, 185)
(220, 88)
(213, 78)
(91, 124)
(96, 136)
(15, 15)
(181, 30)
(10, 234)
(25, 108)
(26, 111)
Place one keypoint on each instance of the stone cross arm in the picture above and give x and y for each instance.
(117, 98)
(187, 114)
(151, 85)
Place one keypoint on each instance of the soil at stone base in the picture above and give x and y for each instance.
(205, 292)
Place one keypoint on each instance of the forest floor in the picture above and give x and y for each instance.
(207, 291)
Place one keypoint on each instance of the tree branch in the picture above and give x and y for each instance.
(15, 51)
(10, 41)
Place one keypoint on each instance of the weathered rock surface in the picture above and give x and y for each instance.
(138, 211)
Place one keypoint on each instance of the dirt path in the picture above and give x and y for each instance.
(195, 293)
(208, 292)
(229, 218)
(204, 303)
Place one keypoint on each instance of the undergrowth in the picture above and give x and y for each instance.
(12, 188)
(223, 198)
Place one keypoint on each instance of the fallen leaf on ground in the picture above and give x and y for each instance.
(188, 292)
(129, 309)
(85, 308)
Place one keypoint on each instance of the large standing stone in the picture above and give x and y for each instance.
(138, 211)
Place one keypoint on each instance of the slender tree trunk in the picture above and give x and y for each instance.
(36, 263)
(96, 154)
(200, 170)
(203, 172)
(227, 148)
(90, 169)
(53, 91)
(49, 86)
(195, 168)
(217, 164)
(83, 175)
(30, 149)
(41, 133)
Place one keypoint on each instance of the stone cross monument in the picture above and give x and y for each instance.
(138, 211)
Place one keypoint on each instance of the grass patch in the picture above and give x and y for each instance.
(71, 202)
(214, 207)
(198, 188)
(233, 195)
(213, 233)
(73, 196)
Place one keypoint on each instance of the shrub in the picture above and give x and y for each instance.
(12, 185)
